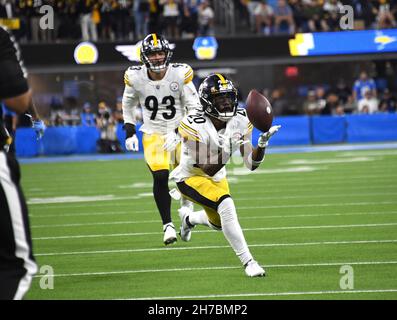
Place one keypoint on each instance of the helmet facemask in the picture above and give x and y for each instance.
(220, 103)
(153, 44)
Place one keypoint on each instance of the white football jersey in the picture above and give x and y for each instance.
(165, 102)
(199, 127)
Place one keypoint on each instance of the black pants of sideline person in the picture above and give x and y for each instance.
(17, 264)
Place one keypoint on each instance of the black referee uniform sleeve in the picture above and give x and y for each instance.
(13, 75)
(17, 264)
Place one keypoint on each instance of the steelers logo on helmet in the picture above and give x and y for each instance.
(218, 97)
(150, 45)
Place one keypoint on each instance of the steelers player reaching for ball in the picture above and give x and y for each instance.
(209, 140)
(166, 93)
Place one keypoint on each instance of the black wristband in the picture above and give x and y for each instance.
(129, 130)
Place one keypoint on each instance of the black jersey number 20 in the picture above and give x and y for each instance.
(152, 104)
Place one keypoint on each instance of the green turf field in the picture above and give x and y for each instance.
(304, 216)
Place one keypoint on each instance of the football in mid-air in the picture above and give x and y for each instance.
(259, 111)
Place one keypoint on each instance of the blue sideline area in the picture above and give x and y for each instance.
(295, 131)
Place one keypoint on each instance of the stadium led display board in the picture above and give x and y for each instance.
(205, 48)
(345, 42)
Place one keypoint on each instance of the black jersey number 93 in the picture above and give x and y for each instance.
(152, 104)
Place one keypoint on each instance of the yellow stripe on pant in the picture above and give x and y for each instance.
(155, 156)
(207, 193)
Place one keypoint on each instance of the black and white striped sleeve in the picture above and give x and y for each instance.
(13, 76)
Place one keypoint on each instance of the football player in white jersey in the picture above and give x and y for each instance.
(209, 140)
(166, 93)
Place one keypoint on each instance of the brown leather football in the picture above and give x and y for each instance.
(259, 111)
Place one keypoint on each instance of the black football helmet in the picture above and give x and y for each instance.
(155, 43)
(218, 96)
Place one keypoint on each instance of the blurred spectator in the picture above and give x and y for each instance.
(331, 6)
(369, 103)
(154, 17)
(108, 142)
(278, 102)
(122, 20)
(107, 20)
(171, 15)
(88, 20)
(314, 13)
(315, 102)
(298, 11)
(388, 102)
(251, 7)
(118, 113)
(332, 105)
(362, 84)
(263, 18)
(243, 14)
(189, 25)
(332, 9)
(339, 110)
(342, 91)
(350, 106)
(283, 19)
(58, 118)
(87, 117)
(140, 9)
(384, 18)
(321, 96)
(312, 106)
(365, 10)
(206, 19)
(68, 27)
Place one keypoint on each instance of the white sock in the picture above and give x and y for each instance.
(232, 230)
(185, 203)
(199, 217)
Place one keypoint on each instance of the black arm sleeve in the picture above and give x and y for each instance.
(12, 75)
(129, 130)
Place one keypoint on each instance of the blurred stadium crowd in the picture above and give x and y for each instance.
(364, 96)
(131, 19)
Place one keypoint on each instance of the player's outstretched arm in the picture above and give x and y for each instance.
(253, 157)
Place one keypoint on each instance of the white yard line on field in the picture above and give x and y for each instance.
(108, 197)
(331, 160)
(164, 249)
(367, 153)
(239, 208)
(264, 216)
(267, 294)
(132, 234)
(299, 265)
(272, 191)
(320, 205)
(311, 196)
(323, 189)
(59, 202)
